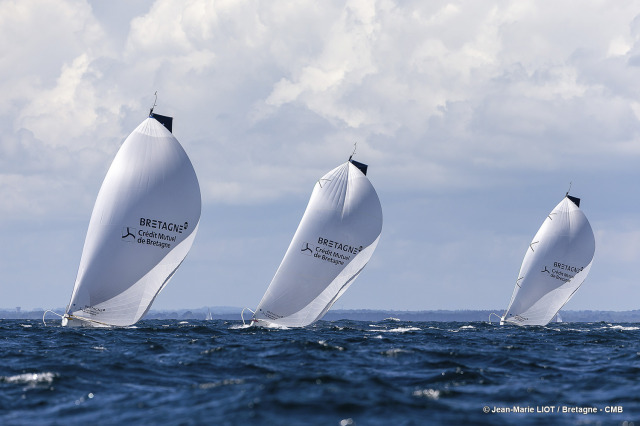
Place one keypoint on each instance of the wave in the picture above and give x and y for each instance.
(402, 372)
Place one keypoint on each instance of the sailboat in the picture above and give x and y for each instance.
(556, 264)
(143, 224)
(335, 239)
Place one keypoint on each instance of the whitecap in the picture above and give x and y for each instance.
(400, 330)
(464, 327)
(29, 378)
(240, 326)
(619, 327)
(271, 325)
(427, 393)
(326, 345)
(577, 330)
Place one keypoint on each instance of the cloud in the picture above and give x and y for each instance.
(439, 95)
(443, 98)
(464, 89)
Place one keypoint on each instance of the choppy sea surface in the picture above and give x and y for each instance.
(333, 373)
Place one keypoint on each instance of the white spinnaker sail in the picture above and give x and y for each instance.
(334, 241)
(556, 263)
(143, 224)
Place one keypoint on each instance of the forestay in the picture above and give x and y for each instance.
(334, 241)
(556, 263)
(143, 224)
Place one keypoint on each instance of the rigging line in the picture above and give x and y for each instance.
(568, 190)
(355, 146)
(320, 181)
(242, 314)
(45, 313)
(154, 104)
(493, 313)
(531, 245)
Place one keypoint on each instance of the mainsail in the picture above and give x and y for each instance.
(556, 263)
(143, 224)
(334, 241)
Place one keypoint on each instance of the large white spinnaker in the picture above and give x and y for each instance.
(334, 241)
(556, 263)
(143, 224)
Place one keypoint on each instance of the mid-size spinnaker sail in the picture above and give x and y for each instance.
(334, 241)
(556, 263)
(143, 224)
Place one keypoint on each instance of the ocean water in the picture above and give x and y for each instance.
(334, 373)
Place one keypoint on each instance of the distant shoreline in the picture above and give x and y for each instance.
(462, 315)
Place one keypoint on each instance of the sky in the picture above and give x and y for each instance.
(474, 118)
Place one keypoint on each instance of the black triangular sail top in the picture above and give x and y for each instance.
(575, 200)
(164, 120)
(361, 166)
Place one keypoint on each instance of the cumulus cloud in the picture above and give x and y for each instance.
(461, 88)
(442, 96)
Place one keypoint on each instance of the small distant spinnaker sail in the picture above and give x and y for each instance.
(334, 241)
(143, 224)
(556, 263)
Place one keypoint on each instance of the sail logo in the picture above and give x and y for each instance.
(307, 249)
(271, 315)
(339, 246)
(519, 318)
(151, 238)
(162, 225)
(128, 234)
(330, 251)
(92, 310)
(563, 272)
(157, 239)
(569, 268)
